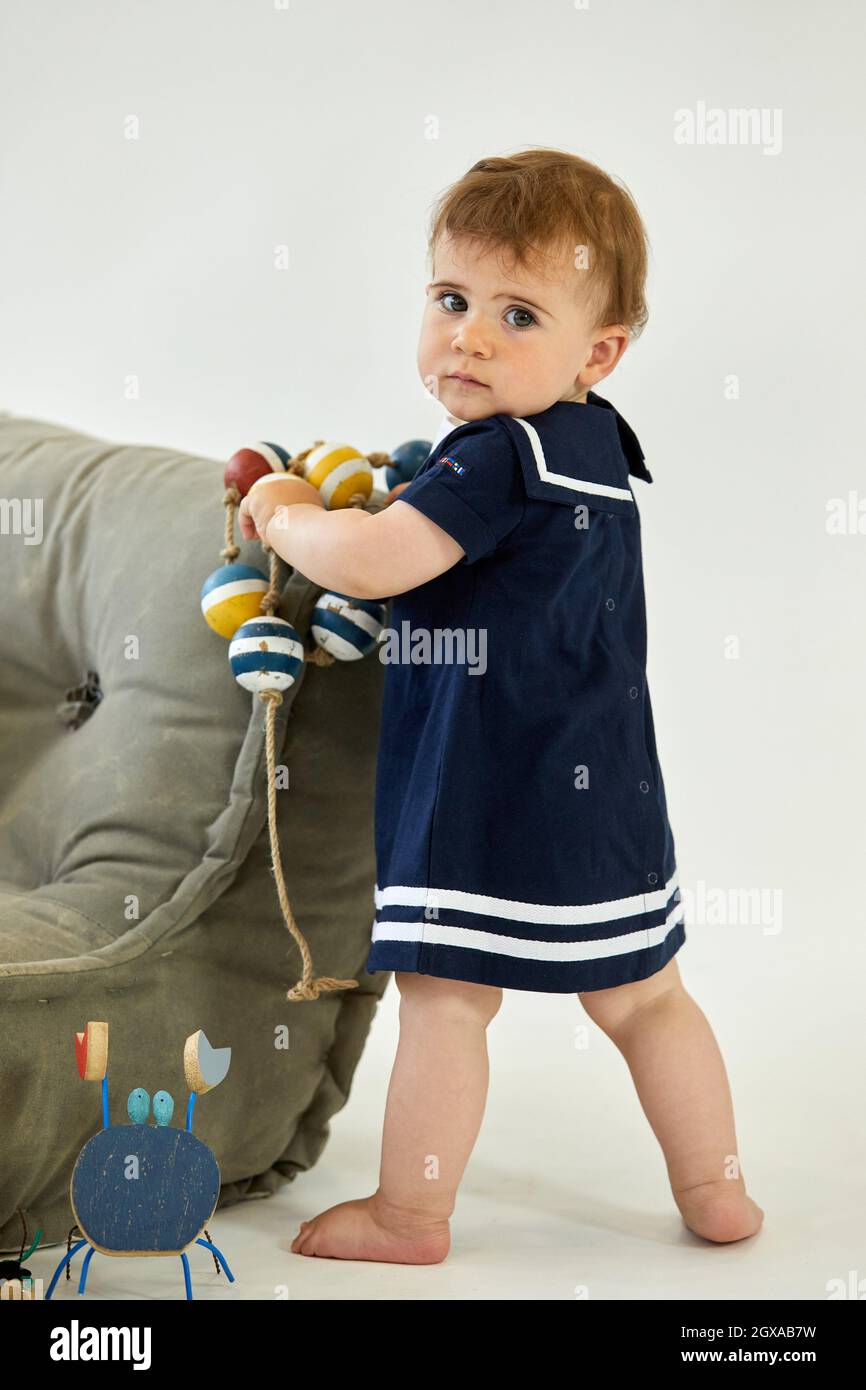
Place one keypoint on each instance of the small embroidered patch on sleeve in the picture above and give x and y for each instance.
(452, 464)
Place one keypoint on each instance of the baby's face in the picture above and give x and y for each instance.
(527, 341)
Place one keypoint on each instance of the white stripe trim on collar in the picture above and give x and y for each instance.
(562, 479)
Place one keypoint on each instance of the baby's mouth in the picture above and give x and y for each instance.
(466, 380)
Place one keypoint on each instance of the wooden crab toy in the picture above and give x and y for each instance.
(142, 1189)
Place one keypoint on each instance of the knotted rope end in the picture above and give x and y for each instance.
(311, 989)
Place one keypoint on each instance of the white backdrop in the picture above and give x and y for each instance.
(328, 130)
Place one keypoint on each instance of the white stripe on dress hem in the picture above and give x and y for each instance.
(547, 476)
(542, 914)
(439, 934)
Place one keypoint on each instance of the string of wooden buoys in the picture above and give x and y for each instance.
(266, 653)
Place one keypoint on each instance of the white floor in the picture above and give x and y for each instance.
(566, 1193)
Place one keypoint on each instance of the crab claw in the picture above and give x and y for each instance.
(204, 1066)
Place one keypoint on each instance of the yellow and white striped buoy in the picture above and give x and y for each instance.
(232, 595)
(338, 471)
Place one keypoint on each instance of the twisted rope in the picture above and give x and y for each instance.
(231, 502)
(306, 987)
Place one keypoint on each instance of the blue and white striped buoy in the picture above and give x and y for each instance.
(231, 595)
(266, 654)
(347, 628)
(406, 459)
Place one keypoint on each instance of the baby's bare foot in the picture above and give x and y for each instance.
(720, 1211)
(360, 1230)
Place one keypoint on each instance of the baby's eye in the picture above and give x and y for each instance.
(517, 310)
(451, 294)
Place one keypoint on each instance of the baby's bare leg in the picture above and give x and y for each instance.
(435, 1105)
(437, 1095)
(682, 1084)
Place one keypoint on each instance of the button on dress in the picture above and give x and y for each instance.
(522, 833)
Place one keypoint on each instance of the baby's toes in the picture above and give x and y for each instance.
(300, 1237)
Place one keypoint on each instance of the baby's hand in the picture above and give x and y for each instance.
(247, 525)
(267, 495)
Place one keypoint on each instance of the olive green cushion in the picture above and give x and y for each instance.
(135, 871)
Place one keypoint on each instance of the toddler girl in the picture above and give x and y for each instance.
(522, 835)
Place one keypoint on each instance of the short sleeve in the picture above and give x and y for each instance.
(471, 486)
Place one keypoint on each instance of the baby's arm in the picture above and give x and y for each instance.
(363, 554)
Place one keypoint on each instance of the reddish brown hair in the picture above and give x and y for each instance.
(539, 206)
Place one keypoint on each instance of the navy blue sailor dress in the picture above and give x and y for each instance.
(522, 833)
